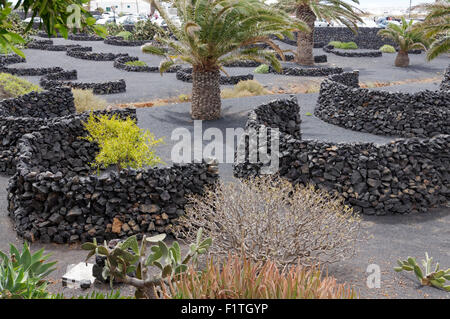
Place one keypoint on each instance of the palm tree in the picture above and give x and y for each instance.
(407, 38)
(216, 32)
(437, 27)
(311, 10)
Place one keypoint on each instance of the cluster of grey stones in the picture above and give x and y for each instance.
(185, 75)
(352, 54)
(86, 54)
(295, 70)
(120, 63)
(84, 37)
(53, 77)
(423, 114)
(288, 57)
(119, 41)
(445, 84)
(404, 176)
(26, 114)
(365, 38)
(56, 196)
(48, 45)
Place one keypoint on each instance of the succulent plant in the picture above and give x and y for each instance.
(127, 261)
(427, 276)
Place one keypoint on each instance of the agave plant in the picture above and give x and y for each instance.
(22, 274)
(427, 276)
(216, 32)
(437, 27)
(407, 38)
(311, 10)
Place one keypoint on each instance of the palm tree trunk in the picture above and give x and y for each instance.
(305, 40)
(402, 59)
(206, 103)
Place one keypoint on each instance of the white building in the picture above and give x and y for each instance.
(125, 6)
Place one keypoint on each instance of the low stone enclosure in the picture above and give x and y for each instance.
(57, 77)
(185, 75)
(119, 41)
(26, 114)
(86, 53)
(56, 196)
(423, 114)
(352, 54)
(120, 63)
(404, 176)
(288, 57)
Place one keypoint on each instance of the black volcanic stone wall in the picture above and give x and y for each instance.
(85, 54)
(288, 57)
(55, 197)
(84, 37)
(366, 38)
(352, 54)
(48, 45)
(119, 41)
(25, 114)
(421, 114)
(119, 63)
(185, 75)
(307, 71)
(404, 176)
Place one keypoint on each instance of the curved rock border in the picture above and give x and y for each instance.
(404, 176)
(423, 114)
(119, 41)
(48, 45)
(84, 37)
(25, 114)
(119, 63)
(56, 197)
(86, 54)
(307, 71)
(288, 57)
(350, 54)
(185, 75)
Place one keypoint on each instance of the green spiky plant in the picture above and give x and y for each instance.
(216, 32)
(407, 38)
(311, 10)
(130, 257)
(427, 276)
(437, 27)
(22, 274)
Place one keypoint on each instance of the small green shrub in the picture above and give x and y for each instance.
(136, 63)
(22, 274)
(121, 142)
(124, 34)
(85, 100)
(146, 30)
(344, 45)
(387, 49)
(13, 86)
(131, 257)
(114, 29)
(244, 88)
(262, 69)
(427, 276)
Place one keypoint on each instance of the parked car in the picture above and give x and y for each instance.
(105, 20)
(35, 20)
(322, 23)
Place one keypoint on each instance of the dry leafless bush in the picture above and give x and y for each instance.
(269, 219)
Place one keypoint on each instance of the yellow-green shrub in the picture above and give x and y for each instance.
(121, 142)
(85, 100)
(13, 86)
(136, 63)
(387, 49)
(241, 278)
(244, 88)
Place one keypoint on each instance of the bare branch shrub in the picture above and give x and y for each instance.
(269, 219)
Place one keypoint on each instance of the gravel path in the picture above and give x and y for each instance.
(387, 237)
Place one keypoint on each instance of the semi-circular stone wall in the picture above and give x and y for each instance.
(120, 63)
(185, 75)
(25, 114)
(404, 176)
(352, 54)
(56, 197)
(423, 114)
(86, 54)
(119, 41)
